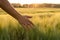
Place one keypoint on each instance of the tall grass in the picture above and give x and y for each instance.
(46, 28)
(10, 29)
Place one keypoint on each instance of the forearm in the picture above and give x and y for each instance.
(10, 10)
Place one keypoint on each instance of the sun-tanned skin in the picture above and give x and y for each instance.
(6, 6)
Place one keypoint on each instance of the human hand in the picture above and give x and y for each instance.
(26, 23)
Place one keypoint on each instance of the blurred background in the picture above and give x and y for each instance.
(36, 3)
(45, 15)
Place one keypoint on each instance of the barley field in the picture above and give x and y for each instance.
(46, 21)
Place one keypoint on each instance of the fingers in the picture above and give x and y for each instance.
(27, 24)
(31, 25)
(27, 16)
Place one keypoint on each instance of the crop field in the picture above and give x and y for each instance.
(46, 21)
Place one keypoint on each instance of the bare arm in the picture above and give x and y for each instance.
(5, 5)
(9, 9)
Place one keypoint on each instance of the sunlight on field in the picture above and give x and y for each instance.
(37, 10)
(46, 20)
(40, 16)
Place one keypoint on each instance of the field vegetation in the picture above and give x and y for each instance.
(46, 21)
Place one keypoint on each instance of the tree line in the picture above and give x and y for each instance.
(17, 5)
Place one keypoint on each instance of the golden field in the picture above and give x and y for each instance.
(46, 20)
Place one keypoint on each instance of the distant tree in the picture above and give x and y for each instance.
(57, 6)
(17, 5)
(25, 5)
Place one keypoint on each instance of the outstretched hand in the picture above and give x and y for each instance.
(26, 23)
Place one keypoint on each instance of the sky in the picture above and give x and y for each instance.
(34, 1)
